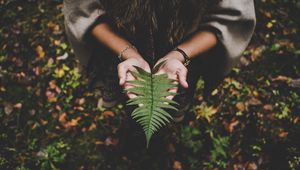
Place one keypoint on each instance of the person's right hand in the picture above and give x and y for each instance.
(124, 69)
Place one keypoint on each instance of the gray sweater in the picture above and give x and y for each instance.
(234, 19)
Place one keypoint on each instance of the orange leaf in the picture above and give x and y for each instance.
(240, 106)
(92, 127)
(108, 114)
(281, 78)
(62, 118)
(177, 165)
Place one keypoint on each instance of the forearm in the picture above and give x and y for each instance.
(199, 43)
(105, 35)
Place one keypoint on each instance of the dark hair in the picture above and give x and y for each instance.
(176, 15)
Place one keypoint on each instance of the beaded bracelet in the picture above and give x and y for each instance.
(127, 48)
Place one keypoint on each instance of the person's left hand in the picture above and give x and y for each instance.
(175, 69)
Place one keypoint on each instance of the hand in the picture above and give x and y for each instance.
(124, 69)
(175, 69)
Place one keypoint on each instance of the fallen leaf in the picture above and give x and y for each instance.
(244, 61)
(81, 101)
(281, 78)
(240, 106)
(40, 51)
(8, 108)
(62, 118)
(257, 52)
(59, 72)
(252, 166)
(283, 134)
(51, 96)
(111, 141)
(93, 126)
(37, 70)
(63, 57)
(254, 102)
(44, 122)
(99, 142)
(177, 165)
(230, 126)
(268, 107)
(295, 83)
(52, 84)
(74, 122)
(108, 114)
(18, 106)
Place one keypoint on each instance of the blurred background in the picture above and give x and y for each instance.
(49, 119)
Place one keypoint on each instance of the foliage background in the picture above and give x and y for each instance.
(51, 120)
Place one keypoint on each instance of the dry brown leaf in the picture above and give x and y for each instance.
(62, 118)
(295, 83)
(8, 108)
(18, 106)
(177, 165)
(81, 101)
(280, 78)
(74, 122)
(257, 52)
(51, 97)
(99, 142)
(52, 84)
(252, 166)
(240, 106)
(230, 126)
(111, 141)
(268, 107)
(108, 114)
(254, 102)
(93, 126)
(44, 122)
(283, 134)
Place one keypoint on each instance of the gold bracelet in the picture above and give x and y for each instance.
(127, 48)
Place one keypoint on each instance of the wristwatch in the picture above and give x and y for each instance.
(187, 60)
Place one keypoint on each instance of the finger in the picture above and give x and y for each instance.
(182, 75)
(129, 77)
(172, 90)
(122, 70)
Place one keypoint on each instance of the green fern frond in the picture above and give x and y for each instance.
(151, 91)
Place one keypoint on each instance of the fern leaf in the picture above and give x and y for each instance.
(151, 91)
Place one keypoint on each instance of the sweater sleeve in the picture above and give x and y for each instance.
(80, 16)
(233, 21)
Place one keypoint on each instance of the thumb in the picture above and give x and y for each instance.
(182, 75)
(122, 70)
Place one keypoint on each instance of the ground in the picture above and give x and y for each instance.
(51, 120)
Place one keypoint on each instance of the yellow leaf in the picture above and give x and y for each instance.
(40, 51)
(269, 25)
(215, 92)
(59, 72)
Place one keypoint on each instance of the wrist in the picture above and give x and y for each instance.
(186, 58)
(175, 55)
(131, 53)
